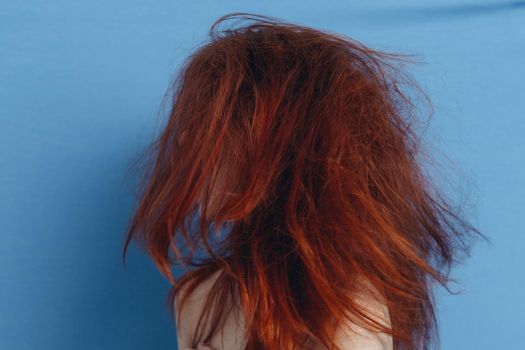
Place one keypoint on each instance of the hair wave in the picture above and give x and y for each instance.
(302, 144)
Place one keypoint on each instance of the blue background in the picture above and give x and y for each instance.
(80, 91)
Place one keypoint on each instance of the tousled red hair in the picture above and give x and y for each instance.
(306, 142)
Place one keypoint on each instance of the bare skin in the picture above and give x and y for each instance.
(201, 346)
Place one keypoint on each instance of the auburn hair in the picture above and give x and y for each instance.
(297, 152)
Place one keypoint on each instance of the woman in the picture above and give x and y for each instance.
(317, 228)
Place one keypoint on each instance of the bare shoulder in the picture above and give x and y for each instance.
(230, 336)
(198, 293)
(353, 336)
(348, 336)
(189, 313)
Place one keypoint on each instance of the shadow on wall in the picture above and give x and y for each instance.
(118, 307)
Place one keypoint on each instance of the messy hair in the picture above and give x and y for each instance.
(308, 141)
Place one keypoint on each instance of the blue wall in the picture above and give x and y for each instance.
(80, 91)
